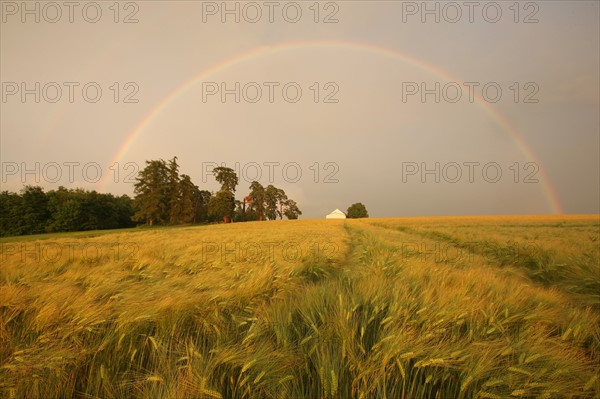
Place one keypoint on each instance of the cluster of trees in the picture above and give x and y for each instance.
(266, 203)
(34, 211)
(162, 196)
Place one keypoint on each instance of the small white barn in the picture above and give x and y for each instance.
(337, 214)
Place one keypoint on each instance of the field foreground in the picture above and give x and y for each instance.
(470, 307)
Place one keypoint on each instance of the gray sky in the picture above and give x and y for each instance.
(350, 104)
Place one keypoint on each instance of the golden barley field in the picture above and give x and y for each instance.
(456, 307)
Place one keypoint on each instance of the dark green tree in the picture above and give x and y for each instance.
(273, 198)
(151, 193)
(222, 206)
(223, 203)
(227, 178)
(257, 196)
(290, 209)
(201, 201)
(189, 193)
(174, 200)
(357, 210)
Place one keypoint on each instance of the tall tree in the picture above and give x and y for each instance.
(174, 192)
(273, 197)
(257, 195)
(151, 191)
(223, 203)
(189, 193)
(227, 178)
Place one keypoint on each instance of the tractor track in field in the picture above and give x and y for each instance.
(539, 265)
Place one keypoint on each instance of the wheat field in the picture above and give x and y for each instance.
(456, 307)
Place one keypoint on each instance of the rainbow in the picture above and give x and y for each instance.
(262, 51)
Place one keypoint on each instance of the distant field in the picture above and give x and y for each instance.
(461, 307)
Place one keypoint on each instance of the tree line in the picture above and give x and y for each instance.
(34, 211)
(163, 196)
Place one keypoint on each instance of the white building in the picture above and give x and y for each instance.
(337, 214)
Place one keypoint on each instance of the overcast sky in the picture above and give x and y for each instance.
(411, 108)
